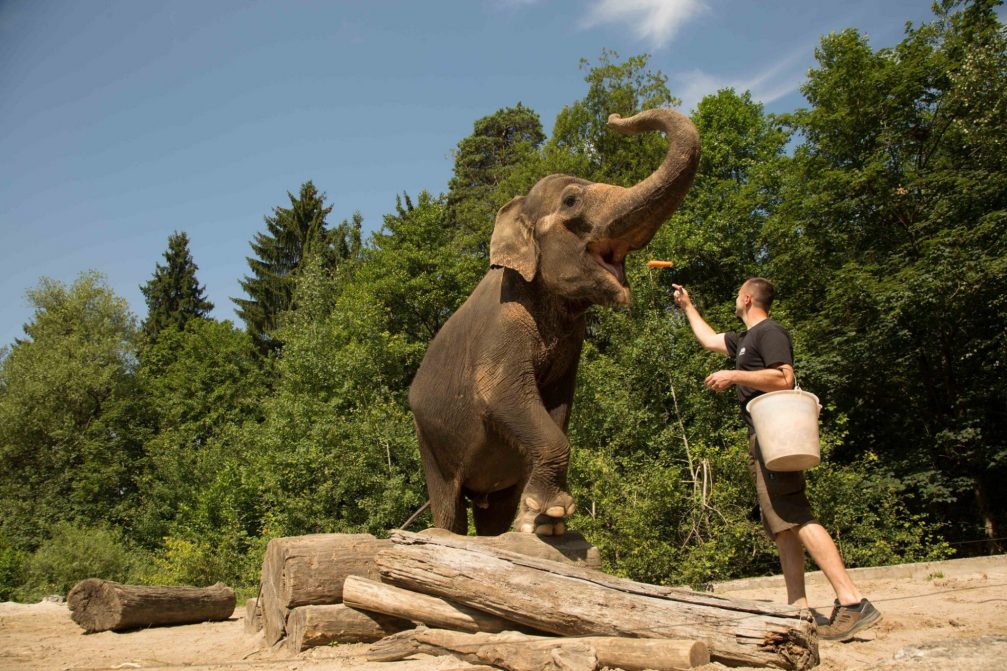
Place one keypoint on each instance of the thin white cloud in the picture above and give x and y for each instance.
(780, 78)
(653, 21)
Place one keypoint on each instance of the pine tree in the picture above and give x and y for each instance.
(173, 294)
(291, 234)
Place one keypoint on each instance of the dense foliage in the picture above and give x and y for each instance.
(173, 453)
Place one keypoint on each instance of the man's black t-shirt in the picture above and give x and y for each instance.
(765, 344)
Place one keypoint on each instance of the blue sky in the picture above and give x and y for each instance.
(121, 122)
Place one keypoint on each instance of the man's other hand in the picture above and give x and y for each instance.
(720, 380)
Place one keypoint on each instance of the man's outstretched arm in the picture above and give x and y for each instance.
(704, 333)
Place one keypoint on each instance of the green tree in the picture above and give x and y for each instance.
(716, 237)
(199, 386)
(173, 294)
(483, 160)
(335, 452)
(414, 268)
(291, 233)
(581, 142)
(891, 239)
(67, 438)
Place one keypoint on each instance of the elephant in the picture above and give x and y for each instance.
(491, 399)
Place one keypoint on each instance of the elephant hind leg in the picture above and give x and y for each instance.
(447, 507)
(449, 511)
(496, 516)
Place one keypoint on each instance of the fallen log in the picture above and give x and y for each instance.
(102, 605)
(435, 612)
(575, 601)
(310, 570)
(519, 652)
(571, 547)
(311, 626)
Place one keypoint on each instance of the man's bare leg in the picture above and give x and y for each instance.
(792, 561)
(823, 551)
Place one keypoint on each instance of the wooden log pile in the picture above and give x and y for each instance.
(478, 600)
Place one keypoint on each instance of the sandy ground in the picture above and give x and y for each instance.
(941, 615)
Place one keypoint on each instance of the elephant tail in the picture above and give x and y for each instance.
(412, 518)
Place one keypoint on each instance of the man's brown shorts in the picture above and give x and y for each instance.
(782, 498)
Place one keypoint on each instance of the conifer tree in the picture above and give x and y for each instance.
(291, 233)
(173, 294)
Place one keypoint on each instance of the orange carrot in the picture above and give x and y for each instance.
(660, 264)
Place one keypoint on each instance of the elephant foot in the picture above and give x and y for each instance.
(548, 522)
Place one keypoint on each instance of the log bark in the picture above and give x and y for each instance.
(520, 652)
(311, 626)
(571, 547)
(102, 605)
(253, 616)
(575, 601)
(435, 612)
(310, 570)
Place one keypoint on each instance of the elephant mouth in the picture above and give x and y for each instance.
(610, 254)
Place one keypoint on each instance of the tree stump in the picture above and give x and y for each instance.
(101, 605)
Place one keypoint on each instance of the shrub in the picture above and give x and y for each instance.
(12, 564)
(74, 553)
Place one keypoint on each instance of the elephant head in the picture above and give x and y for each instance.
(572, 235)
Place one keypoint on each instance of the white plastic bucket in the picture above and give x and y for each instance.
(786, 424)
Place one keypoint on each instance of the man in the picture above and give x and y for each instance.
(765, 362)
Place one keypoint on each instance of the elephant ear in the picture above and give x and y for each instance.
(513, 243)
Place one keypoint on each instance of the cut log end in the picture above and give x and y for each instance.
(94, 605)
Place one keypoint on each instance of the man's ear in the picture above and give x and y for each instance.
(513, 243)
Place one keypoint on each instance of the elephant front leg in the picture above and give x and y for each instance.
(543, 509)
(545, 502)
(516, 412)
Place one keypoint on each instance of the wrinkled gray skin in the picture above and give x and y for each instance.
(492, 397)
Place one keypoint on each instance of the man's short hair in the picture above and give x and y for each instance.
(762, 292)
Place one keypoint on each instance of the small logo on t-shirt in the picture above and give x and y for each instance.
(741, 352)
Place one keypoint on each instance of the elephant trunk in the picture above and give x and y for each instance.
(640, 211)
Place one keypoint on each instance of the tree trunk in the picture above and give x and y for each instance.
(310, 570)
(100, 605)
(311, 626)
(368, 595)
(520, 652)
(990, 527)
(574, 601)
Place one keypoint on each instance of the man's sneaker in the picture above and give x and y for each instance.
(848, 620)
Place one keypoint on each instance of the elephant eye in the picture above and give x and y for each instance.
(570, 200)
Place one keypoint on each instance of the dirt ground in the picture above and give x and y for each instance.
(940, 615)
